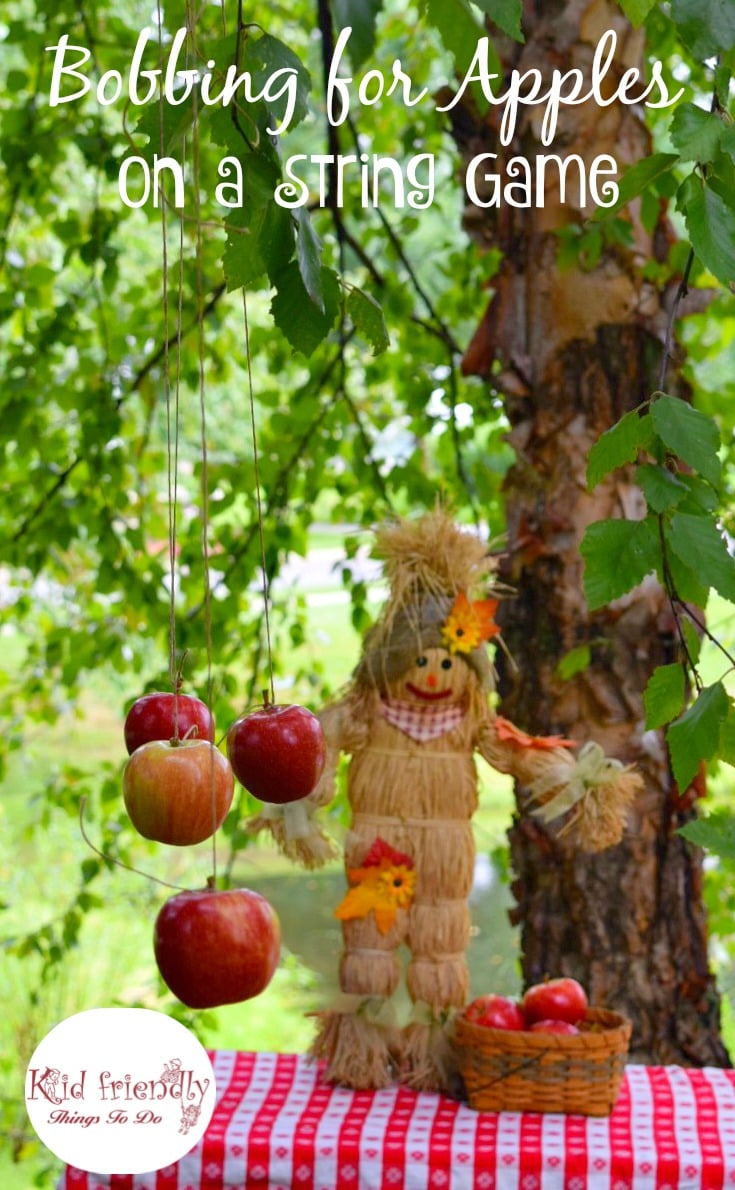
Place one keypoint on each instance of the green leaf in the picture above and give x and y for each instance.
(638, 178)
(360, 16)
(690, 434)
(637, 10)
(459, 30)
(258, 242)
(506, 14)
(303, 323)
(696, 735)
(692, 638)
(706, 26)
(710, 222)
(309, 256)
(166, 126)
(696, 133)
(662, 489)
(715, 833)
(698, 542)
(726, 750)
(727, 140)
(619, 445)
(664, 696)
(701, 496)
(368, 320)
(574, 662)
(618, 555)
(263, 57)
(687, 580)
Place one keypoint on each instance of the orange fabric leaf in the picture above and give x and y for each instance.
(385, 916)
(357, 903)
(468, 623)
(509, 733)
(383, 888)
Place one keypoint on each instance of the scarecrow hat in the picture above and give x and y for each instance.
(433, 566)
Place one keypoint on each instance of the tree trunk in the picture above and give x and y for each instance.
(572, 349)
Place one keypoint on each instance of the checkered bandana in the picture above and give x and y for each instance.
(422, 723)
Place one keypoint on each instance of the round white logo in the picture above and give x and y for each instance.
(120, 1090)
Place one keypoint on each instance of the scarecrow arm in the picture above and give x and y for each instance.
(591, 792)
(292, 827)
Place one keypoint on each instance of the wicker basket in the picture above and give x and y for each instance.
(505, 1070)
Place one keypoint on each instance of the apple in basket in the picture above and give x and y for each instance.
(555, 1000)
(495, 1012)
(554, 1027)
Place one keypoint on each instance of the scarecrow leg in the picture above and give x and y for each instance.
(438, 980)
(355, 1038)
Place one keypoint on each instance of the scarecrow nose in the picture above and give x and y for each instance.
(431, 680)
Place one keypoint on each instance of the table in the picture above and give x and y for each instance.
(278, 1127)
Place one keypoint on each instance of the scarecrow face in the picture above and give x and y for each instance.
(436, 678)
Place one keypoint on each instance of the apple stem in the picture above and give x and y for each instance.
(211, 883)
(266, 698)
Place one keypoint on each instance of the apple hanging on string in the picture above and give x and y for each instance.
(178, 792)
(165, 716)
(277, 752)
(217, 947)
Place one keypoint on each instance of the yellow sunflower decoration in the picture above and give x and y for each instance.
(383, 885)
(469, 623)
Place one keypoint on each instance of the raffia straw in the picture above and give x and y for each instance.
(358, 1053)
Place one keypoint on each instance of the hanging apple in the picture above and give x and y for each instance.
(163, 716)
(277, 752)
(217, 947)
(177, 793)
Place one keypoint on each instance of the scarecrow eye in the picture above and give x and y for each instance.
(446, 663)
(422, 661)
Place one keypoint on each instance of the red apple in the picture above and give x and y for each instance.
(162, 716)
(277, 752)
(554, 1027)
(217, 947)
(495, 1012)
(178, 793)
(557, 1000)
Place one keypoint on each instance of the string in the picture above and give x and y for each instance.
(112, 859)
(258, 501)
(171, 435)
(191, 52)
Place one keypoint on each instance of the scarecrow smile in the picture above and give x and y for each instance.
(428, 695)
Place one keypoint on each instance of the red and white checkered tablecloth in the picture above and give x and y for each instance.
(277, 1127)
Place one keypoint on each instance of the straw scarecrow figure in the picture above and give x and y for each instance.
(413, 715)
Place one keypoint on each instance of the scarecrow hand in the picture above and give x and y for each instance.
(295, 832)
(293, 827)
(592, 792)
